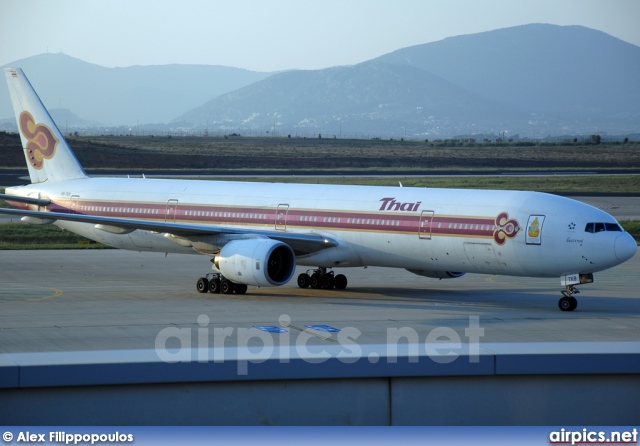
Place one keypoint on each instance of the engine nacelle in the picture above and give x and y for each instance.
(257, 262)
(437, 274)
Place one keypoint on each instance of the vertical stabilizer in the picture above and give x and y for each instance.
(48, 155)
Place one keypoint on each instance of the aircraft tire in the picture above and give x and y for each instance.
(202, 285)
(304, 280)
(565, 303)
(574, 303)
(340, 282)
(226, 286)
(316, 281)
(240, 288)
(214, 286)
(327, 281)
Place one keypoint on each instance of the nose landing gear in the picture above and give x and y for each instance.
(567, 302)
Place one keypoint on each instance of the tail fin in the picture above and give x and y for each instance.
(49, 157)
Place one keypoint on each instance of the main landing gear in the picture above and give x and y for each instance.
(216, 283)
(567, 302)
(320, 278)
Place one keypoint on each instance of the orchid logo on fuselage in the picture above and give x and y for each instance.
(500, 228)
(41, 144)
(505, 228)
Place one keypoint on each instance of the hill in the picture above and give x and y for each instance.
(533, 80)
(125, 96)
(555, 70)
(366, 97)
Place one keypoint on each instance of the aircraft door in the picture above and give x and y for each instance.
(424, 228)
(171, 211)
(281, 217)
(74, 203)
(533, 235)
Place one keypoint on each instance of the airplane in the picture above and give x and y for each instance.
(256, 233)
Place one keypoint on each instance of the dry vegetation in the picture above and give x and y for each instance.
(133, 152)
(283, 153)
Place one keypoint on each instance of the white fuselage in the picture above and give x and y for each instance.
(494, 232)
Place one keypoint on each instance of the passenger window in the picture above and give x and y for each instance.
(589, 228)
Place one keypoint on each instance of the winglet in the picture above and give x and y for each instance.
(49, 157)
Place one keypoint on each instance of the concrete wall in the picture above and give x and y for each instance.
(510, 384)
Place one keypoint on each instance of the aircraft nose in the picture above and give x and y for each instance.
(625, 247)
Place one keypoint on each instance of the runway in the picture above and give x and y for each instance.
(110, 299)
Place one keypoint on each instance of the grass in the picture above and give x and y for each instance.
(24, 236)
(632, 227)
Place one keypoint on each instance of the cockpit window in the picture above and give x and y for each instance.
(613, 227)
(599, 227)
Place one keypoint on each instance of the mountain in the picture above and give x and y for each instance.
(125, 96)
(533, 79)
(366, 97)
(547, 68)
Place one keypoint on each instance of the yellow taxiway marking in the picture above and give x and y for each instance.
(56, 293)
(31, 291)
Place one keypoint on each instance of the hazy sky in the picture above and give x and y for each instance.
(271, 35)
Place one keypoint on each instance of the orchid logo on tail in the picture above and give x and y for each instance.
(41, 143)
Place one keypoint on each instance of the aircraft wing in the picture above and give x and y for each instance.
(300, 243)
(28, 200)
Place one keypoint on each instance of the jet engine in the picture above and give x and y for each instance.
(257, 262)
(437, 274)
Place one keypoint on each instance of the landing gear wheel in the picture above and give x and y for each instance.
(202, 285)
(574, 303)
(304, 280)
(240, 288)
(327, 281)
(226, 286)
(340, 282)
(316, 281)
(214, 286)
(568, 303)
(564, 303)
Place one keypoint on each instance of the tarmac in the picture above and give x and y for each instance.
(76, 300)
(84, 300)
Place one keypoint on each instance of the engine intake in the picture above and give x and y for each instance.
(257, 262)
